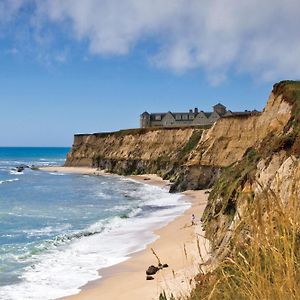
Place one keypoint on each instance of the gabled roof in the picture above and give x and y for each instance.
(207, 114)
(145, 113)
(219, 105)
(215, 113)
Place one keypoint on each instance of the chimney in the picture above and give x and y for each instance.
(191, 111)
(196, 110)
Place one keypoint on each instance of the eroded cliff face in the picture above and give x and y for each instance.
(136, 151)
(227, 142)
(270, 165)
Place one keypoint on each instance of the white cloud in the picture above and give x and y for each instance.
(218, 36)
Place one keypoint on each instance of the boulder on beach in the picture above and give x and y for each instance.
(152, 270)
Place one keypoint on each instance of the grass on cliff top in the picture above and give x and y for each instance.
(290, 90)
(136, 131)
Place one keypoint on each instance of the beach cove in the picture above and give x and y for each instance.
(176, 245)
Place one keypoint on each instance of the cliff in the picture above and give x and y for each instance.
(269, 166)
(240, 156)
(135, 151)
(227, 142)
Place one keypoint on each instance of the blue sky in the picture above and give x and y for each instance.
(88, 66)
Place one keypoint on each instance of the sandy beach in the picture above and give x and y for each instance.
(177, 245)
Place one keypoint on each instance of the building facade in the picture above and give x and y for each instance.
(193, 117)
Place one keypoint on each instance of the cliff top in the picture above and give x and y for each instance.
(136, 131)
(290, 91)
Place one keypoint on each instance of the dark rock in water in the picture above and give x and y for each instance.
(149, 277)
(147, 178)
(165, 266)
(152, 270)
(19, 169)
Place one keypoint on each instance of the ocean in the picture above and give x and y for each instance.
(57, 230)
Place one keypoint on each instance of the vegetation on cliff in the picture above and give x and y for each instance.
(264, 261)
(138, 131)
(290, 141)
(242, 174)
(226, 190)
(190, 145)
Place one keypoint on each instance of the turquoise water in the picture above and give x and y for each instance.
(57, 230)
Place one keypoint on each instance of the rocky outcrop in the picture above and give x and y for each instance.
(271, 165)
(194, 177)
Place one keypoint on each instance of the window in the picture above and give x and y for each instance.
(191, 117)
(178, 117)
(184, 117)
(157, 117)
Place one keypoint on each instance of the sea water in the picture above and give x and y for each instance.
(58, 230)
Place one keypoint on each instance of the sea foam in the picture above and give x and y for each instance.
(8, 180)
(66, 266)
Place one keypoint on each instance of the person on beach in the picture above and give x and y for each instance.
(193, 219)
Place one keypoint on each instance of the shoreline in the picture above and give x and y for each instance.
(176, 244)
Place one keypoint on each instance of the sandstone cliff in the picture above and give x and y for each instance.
(227, 142)
(240, 156)
(135, 151)
(270, 165)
